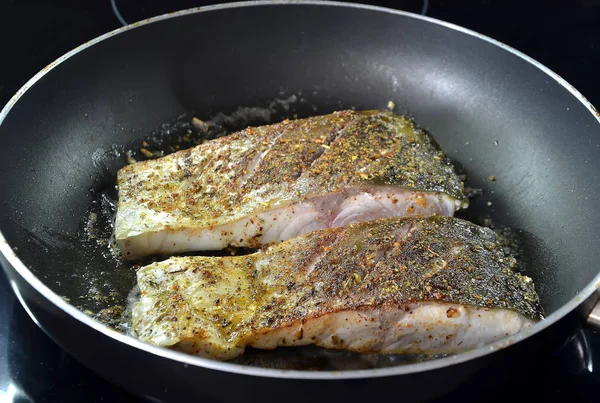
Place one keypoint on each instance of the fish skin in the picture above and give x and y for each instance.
(381, 286)
(213, 195)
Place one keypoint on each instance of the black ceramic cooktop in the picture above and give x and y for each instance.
(565, 36)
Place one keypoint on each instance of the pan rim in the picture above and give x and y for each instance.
(56, 300)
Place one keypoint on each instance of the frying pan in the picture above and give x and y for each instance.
(494, 110)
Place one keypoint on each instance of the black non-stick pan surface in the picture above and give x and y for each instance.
(496, 113)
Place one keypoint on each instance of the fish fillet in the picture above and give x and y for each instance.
(424, 285)
(271, 183)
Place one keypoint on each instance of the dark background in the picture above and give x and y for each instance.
(563, 35)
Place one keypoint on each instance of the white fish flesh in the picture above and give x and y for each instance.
(426, 285)
(268, 184)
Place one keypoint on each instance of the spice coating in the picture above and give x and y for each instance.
(263, 168)
(379, 271)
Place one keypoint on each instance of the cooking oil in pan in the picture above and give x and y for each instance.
(112, 303)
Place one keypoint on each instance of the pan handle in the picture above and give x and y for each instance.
(593, 319)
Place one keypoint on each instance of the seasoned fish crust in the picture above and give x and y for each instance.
(310, 174)
(397, 285)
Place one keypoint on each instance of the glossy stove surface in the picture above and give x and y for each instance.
(564, 36)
